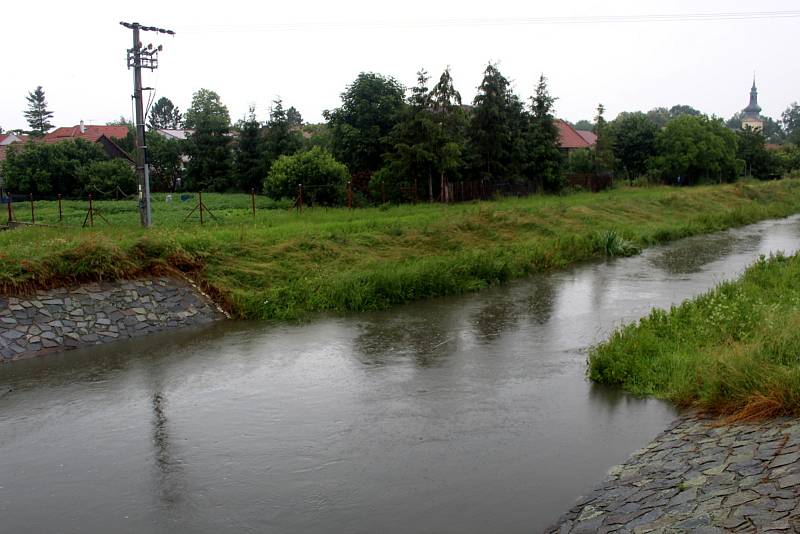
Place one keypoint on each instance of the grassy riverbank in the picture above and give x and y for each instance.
(733, 351)
(284, 265)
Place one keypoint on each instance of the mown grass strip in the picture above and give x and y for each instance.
(287, 265)
(733, 351)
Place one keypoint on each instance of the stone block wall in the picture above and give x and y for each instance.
(67, 318)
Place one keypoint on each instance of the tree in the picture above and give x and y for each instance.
(634, 142)
(110, 178)
(165, 156)
(164, 114)
(791, 123)
(37, 115)
(604, 147)
(48, 169)
(692, 148)
(496, 127)
(681, 110)
(294, 118)
(209, 144)
(371, 107)
(280, 139)
(544, 161)
(248, 156)
(583, 124)
(773, 130)
(427, 142)
(751, 148)
(324, 179)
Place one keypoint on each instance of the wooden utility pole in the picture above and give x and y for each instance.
(140, 57)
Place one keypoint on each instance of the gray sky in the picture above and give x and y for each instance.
(306, 52)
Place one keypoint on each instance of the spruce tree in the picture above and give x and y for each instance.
(38, 115)
(248, 158)
(209, 144)
(495, 128)
(294, 117)
(164, 114)
(428, 142)
(544, 160)
(279, 138)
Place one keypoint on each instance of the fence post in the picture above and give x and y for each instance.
(33, 211)
(350, 194)
(10, 209)
(60, 213)
(300, 198)
(91, 212)
(253, 200)
(200, 202)
(415, 191)
(383, 192)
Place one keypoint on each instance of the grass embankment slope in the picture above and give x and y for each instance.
(284, 265)
(733, 351)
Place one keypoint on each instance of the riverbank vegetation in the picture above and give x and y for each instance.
(387, 142)
(284, 264)
(733, 351)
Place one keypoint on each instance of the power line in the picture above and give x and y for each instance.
(506, 21)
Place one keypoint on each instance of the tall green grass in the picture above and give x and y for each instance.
(285, 265)
(734, 350)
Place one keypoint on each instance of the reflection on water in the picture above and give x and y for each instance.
(468, 414)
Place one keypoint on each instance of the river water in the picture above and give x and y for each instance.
(466, 414)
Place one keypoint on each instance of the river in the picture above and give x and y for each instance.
(464, 414)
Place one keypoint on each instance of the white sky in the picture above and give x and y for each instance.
(307, 52)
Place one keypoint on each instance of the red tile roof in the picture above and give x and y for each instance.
(588, 136)
(570, 138)
(90, 133)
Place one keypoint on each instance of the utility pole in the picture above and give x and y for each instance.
(140, 57)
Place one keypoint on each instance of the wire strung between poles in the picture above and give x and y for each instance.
(90, 213)
(202, 207)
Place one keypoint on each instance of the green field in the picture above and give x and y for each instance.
(284, 265)
(732, 351)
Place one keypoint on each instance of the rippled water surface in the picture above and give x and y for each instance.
(467, 414)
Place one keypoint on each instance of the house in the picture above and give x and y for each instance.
(571, 139)
(178, 135)
(588, 136)
(106, 136)
(10, 137)
(6, 140)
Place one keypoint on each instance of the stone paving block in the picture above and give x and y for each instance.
(735, 478)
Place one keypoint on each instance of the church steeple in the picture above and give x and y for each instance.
(751, 115)
(753, 107)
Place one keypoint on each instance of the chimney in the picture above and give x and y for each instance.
(83, 128)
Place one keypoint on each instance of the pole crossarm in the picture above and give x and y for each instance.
(142, 57)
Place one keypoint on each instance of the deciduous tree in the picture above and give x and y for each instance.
(371, 107)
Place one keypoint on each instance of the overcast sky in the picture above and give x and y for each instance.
(306, 52)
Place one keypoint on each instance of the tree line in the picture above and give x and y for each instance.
(385, 137)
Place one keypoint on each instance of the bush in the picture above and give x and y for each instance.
(47, 169)
(108, 178)
(324, 179)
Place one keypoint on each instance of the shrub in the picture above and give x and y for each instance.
(324, 179)
(47, 169)
(108, 178)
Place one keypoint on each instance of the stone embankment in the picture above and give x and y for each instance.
(61, 319)
(700, 477)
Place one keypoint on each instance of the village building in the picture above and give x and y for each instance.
(106, 136)
(751, 115)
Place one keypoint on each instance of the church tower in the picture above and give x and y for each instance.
(751, 115)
